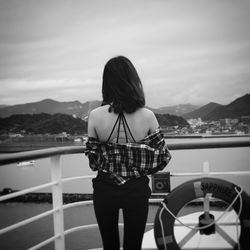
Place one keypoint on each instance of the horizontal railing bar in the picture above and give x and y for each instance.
(27, 221)
(210, 173)
(44, 243)
(78, 178)
(26, 191)
(40, 153)
(90, 202)
(44, 153)
(74, 229)
(208, 144)
(78, 203)
(171, 174)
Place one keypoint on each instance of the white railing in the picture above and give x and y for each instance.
(57, 182)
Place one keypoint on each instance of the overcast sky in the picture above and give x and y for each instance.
(185, 51)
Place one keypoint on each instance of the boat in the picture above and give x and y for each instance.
(26, 164)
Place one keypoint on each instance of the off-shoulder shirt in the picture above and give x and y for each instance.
(123, 161)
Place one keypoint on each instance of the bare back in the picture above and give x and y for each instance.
(101, 122)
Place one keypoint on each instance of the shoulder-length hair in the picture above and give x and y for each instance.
(121, 86)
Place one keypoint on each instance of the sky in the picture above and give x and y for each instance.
(185, 51)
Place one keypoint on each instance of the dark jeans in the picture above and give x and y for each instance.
(132, 198)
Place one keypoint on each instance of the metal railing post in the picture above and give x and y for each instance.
(57, 198)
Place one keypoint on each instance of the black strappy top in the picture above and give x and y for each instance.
(121, 118)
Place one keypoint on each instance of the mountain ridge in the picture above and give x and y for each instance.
(235, 109)
(42, 123)
(211, 111)
(57, 123)
(79, 109)
(49, 106)
(178, 110)
(200, 112)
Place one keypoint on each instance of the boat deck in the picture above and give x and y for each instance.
(197, 241)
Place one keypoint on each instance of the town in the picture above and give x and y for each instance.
(196, 127)
(225, 127)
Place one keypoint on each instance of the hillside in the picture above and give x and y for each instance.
(43, 123)
(51, 107)
(201, 112)
(214, 111)
(211, 111)
(79, 109)
(237, 108)
(171, 120)
(57, 123)
(178, 110)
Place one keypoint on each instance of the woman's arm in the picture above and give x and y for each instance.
(91, 126)
(153, 123)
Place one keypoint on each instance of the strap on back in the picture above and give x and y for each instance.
(121, 118)
(118, 118)
(125, 124)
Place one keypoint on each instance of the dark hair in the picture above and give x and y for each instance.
(121, 86)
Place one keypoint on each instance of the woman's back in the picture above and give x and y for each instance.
(141, 123)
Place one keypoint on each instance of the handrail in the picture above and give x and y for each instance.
(38, 154)
(48, 152)
(27, 221)
(57, 180)
(219, 143)
(26, 191)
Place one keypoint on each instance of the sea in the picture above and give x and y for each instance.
(16, 177)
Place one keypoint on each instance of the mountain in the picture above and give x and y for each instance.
(211, 111)
(3, 105)
(57, 123)
(236, 109)
(79, 109)
(43, 123)
(51, 107)
(171, 120)
(178, 110)
(201, 112)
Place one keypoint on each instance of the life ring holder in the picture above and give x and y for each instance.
(198, 188)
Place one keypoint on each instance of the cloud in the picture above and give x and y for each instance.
(184, 51)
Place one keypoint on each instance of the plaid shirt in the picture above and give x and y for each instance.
(123, 161)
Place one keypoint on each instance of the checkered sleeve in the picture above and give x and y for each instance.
(93, 153)
(155, 152)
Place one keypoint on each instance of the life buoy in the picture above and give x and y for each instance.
(188, 191)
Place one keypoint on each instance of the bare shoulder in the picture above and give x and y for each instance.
(147, 113)
(97, 113)
(149, 116)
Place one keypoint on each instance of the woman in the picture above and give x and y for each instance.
(125, 145)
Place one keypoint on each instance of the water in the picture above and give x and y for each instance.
(227, 159)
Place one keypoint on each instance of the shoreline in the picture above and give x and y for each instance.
(44, 197)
